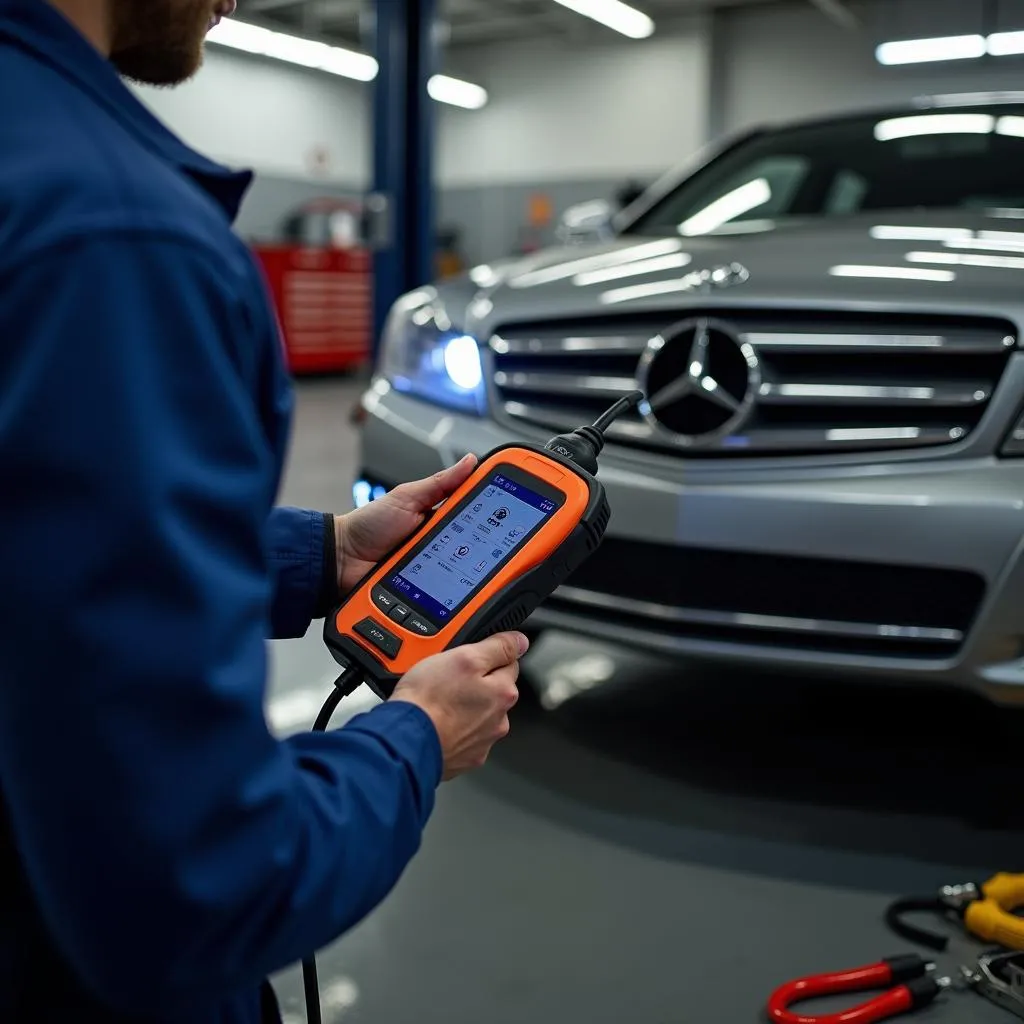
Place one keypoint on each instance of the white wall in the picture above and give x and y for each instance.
(557, 113)
(248, 112)
(793, 61)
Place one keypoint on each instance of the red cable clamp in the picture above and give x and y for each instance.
(915, 988)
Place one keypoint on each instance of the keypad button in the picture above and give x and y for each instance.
(421, 627)
(399, 614)
(384, 640)
(385, 601)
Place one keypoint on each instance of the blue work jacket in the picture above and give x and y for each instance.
(161, 852)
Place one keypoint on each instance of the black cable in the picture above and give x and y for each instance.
(344, 686)
(912, 933)
(624, 405)
(327, 712)
(311, 989)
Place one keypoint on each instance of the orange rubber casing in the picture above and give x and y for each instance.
(533, 571)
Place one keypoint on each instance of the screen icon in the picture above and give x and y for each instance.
(463, 551)
(480, 566)
(449, 603)
(456, 528)
(446, 539)
(417, 567)
(502, 514)
(496, 553)
(478, 507)
(516, 532)
(494, 522)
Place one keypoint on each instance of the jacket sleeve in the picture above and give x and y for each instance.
(303, 570)
(175, 849)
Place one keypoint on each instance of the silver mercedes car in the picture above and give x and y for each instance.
(829, 473)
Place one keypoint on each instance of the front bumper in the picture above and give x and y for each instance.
(906, 571)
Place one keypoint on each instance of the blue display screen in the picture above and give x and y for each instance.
(448, 569)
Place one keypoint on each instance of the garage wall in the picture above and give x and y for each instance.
(792, 61)
(564, 114)
(274, 117)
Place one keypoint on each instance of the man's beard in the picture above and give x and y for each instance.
(159, 42)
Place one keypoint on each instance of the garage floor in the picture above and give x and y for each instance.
(660, 843)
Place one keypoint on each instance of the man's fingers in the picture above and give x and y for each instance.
(423, 495)
(502, 650)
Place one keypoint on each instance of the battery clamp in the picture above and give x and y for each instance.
(482, 563)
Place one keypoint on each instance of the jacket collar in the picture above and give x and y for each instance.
(41, 30)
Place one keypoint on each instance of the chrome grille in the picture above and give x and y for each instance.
(827, 382)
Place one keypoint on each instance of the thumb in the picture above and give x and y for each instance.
(502, 649)
(423, 495)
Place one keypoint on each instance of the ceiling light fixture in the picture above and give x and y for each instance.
(457, 93)
(334, 60)
(615, 15)
(922, 51)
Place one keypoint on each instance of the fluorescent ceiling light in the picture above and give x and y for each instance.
(239, 35)
(921, 51)
(897, 233)
(1005, 44)
(895, 273)
(958, 259)
(934, 124)
(615, 15)
(732, 205)
(457, 93)
(655, 266)
(335, 60)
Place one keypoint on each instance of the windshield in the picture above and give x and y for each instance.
(964, 158)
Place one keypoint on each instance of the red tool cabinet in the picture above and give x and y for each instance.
(323, 298)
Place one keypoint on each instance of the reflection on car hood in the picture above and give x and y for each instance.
(957, 262)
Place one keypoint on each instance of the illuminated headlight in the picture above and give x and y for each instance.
(423, 354)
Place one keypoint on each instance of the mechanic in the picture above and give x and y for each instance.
(161, 853)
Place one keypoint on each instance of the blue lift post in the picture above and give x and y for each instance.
(403, 152)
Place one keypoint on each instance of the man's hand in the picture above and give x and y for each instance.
(468, 693)
(367, 535)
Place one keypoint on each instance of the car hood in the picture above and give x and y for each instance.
(952, 262)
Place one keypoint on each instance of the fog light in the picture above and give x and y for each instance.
(462, 362)
(362, 493)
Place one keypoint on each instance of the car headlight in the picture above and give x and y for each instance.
(423, 354)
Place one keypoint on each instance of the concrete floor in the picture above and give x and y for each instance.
(659, 842)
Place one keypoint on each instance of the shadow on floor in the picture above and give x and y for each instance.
(666, 749)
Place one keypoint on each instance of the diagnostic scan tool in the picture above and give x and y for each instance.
(495, 550)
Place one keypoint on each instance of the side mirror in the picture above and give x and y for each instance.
(587, 222)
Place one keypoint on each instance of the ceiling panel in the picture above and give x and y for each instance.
(467, 22)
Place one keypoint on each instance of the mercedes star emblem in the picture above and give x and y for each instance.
(701, 380)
